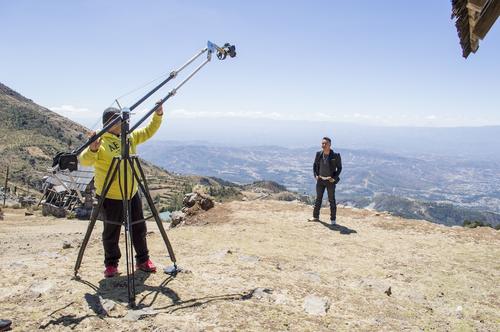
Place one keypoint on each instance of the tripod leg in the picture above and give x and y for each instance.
(144, 187)
(129, 250)
(95, 212)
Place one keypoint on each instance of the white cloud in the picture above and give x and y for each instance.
(82, 115)
(401, 119)
(69, 109)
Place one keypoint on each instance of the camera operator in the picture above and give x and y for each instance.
(100, 155)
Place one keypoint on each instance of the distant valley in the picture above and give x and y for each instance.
(453, 182)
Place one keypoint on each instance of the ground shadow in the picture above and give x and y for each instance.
(116, 289)
(197, 302)
(339, 228)
(71, 321)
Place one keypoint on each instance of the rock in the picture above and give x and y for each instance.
(49, 209)
(459, 312)
(315, 305)
(388, 291)
(249, 259)
(262, 293)
(206, 203)
(192, 200)
(189, 200)
(39, 288)
(280, 299)
(177, 218)
(67, 245)
(134, 315)
(28, 213)
(221, 254)
(312, 276)
(107, 304)
(18, 265)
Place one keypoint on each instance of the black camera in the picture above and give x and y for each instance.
(227, 49)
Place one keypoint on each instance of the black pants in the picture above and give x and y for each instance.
(113, 211)
(320, 190)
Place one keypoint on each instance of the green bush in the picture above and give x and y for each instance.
(476, 223)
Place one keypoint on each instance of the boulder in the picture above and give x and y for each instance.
(315, 305)
(177, 218)
(41, 287)
(192, 200)
(52, 210)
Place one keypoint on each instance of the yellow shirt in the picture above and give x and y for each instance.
(111, 147)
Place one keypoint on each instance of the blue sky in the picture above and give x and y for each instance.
(369, 62)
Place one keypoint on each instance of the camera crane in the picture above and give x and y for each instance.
(69, 161)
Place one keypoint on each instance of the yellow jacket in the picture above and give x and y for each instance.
(111, 147)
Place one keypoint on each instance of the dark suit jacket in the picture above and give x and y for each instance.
(335, 164)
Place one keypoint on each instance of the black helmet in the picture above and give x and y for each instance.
(109, 114)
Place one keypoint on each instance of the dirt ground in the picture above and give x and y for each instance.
(258, 265)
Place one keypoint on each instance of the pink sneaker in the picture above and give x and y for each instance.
(147, 266)
(110, 271)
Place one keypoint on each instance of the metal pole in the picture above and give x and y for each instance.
(170, 94)
(171, 76)
(129, 248)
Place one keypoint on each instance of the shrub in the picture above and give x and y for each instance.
(476, 223)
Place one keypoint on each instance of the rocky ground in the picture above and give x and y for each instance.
(258, 265)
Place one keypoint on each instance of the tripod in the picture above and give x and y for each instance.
(118, 163)
(125, 161)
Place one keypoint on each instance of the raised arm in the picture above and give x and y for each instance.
(89, 156)
(139, 136)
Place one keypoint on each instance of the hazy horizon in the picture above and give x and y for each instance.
(329, 61)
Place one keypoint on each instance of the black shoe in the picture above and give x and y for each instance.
(5, 324)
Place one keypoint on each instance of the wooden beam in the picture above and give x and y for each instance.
(478, 3)
(488, 16)
(5, 186)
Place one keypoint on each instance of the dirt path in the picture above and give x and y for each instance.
(259, 266)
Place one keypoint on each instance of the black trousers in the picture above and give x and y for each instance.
(113, 211)
(320, 190)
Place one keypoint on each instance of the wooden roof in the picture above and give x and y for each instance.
(474, 18)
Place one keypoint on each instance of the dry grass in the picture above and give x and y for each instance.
(239, 246)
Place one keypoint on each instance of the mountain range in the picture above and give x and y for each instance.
(453, 183)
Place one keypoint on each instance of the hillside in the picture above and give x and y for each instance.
(30, 135)
(441, 213)
(258, 266)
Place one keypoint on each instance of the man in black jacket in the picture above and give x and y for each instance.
(327, 167)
